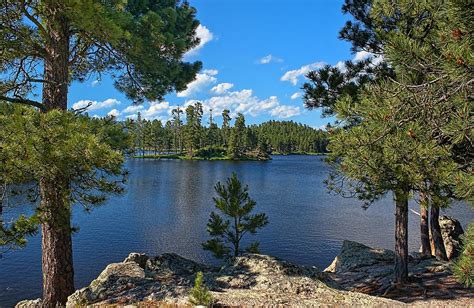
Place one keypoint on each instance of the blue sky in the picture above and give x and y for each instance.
(254, 54)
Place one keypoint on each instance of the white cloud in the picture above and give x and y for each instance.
(95, 82)
(293, 75)
(133, 109)
(341, 65)
(95, 105)
(361, 55)
(245, 102)
(113, 113)
(204, 35)
(269, 58)
(150, 111)
(296, 95)
(202, 80)
(210, 72)
(285, 111)
(221, 88)
(156, 110)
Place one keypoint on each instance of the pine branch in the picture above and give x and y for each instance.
(23, 101)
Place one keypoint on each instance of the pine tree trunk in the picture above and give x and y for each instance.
(439, 249)
(424, 227)
(57, 261)
(401, 237)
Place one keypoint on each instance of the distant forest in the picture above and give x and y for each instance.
(193, 139)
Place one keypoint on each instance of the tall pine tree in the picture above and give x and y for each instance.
(51, 44)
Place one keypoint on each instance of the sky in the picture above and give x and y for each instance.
(255, 54)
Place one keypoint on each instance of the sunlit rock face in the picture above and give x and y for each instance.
(249, 280)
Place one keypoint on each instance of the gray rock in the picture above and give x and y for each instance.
(354, 255)
(139, 258)
(363, 269)
(451, 230)
(35, 303)
(249, 280)
(116, 277)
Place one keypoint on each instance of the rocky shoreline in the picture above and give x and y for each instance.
(249, 280)
(359, 275)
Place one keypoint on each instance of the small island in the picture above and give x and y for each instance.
(212, 154)
(194, 141)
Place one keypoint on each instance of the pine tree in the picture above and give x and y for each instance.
(178, 135)
(464, 267)
(226, 126)
(200, 295)
(425, 89)
(66, 40)
(235, 204)
(237, 138)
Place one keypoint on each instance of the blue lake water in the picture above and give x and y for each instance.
(167, 205)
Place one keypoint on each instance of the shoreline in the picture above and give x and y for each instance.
(221, 158)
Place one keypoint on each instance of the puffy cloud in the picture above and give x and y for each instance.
(246, 103)
(221, 88)
(293, 75)
(285, 111)
(269, 58)
(113, 113)
(204, 35)
(295, 95)
(133, 109)
(156, 110)
(341, 65)
(95, 105)
(361, 55)
(210, 72)
(202, 80)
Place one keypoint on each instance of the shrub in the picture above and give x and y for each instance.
(200, 295)
(464, 266)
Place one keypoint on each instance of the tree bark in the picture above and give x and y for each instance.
(424, 227)
(438, 243)
(401, 237)
(57, 260)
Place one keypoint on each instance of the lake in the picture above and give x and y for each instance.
(167, 205)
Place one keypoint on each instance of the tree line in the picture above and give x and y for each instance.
(48, 45)
(194, 138)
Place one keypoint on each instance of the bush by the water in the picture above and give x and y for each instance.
(210, 152)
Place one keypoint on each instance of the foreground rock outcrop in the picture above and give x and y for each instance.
(248, 280)
(360, 268)
(359, 275)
